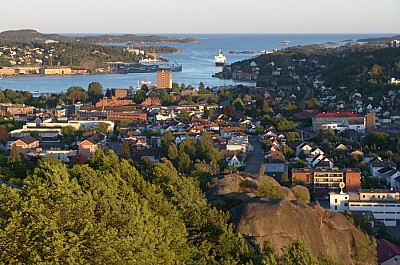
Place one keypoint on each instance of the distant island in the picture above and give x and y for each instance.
(379, 40)
(30, 35)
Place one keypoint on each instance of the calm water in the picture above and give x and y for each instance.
(197, 60)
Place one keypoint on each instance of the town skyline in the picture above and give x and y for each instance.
(256, 17)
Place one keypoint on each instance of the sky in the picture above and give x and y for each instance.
(202, 16)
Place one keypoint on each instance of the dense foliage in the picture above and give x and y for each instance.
(106, 213)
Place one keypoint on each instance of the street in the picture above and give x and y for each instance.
(256, 157)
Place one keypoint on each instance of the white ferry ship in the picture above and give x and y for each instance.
(220, 59)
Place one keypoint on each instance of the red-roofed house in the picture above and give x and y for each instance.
(338, 120)
(87, 147)
(25, 144)
(388, 253)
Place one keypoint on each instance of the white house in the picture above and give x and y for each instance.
(236, 161)
(390, 176)
(62, 155)
(305, 147)
(378, 164)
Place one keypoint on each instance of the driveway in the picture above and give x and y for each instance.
(256, 157)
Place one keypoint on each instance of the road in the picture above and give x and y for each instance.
(307, 95)
(256, 157)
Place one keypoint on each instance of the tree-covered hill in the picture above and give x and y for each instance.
(30, 35)
(106, 213)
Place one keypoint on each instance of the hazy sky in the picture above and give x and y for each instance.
(202, 16)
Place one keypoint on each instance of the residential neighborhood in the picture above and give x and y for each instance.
(296, 128)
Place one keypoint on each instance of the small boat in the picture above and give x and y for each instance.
(220, 59)
(286, 42)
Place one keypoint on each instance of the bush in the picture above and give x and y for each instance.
(269, 190)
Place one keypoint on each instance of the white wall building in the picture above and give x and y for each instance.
(239, 143)
(384, 204)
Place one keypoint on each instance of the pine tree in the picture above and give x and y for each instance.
(15, 156)
(126, 150)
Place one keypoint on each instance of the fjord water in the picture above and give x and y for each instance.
(197, 60)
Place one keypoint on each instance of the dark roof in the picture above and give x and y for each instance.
(384, 164)
(28, 139)
(386, 250)
(96, 138)
(385, 170)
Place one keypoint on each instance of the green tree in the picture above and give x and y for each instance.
(184, 163)
(285, 181)
(292, 136)
(166, 139)
(297, 253)
(286, 126)
(76, 93)
(188, 146)
(68, 131)
(146, 163)
(95, 91)
(238, 104)
(206, 150)
(269, 190)
(126, 150)
(140, 96)
(102, 127)
(15, 156)
(376, 71)
(172, 152)
(184, 116)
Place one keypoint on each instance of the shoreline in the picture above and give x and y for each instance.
(39, 75)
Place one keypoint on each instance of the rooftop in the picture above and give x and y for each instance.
(344, 114)
(386, 250)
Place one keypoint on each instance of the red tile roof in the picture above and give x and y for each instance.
(346, 114)
(386, 250)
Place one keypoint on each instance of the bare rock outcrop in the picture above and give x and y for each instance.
(284, 222)
(290, 218)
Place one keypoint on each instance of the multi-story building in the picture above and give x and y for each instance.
(383, 204)
(164, 79)
(340, 121)
(322, 181)
(56, 71)
(239, 143)
(394, 44)
(112, 113)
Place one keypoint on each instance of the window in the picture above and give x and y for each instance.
(346, 204)
(363, 196)
(345, 198)
(335, 208)
(335, 200)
